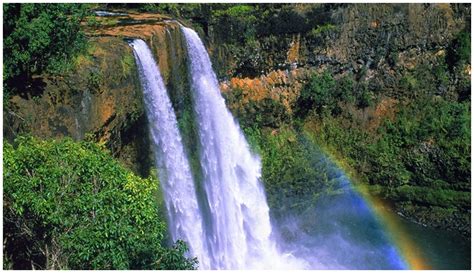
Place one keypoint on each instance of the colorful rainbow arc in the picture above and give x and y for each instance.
(400, 237)
(408, 250)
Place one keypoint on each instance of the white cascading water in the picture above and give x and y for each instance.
(179, 191)
(239, 221)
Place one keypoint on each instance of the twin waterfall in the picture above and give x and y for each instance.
(227, 225)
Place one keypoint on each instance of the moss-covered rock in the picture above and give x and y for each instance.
(100, 98)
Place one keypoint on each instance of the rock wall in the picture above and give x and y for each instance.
(379, 47)
(375, 45)
(378, 38)
(101, 98)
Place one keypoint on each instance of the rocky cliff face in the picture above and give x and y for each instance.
(375, 45)
(101, 98)
(350, 38)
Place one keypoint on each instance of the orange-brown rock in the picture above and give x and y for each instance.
(281, 86)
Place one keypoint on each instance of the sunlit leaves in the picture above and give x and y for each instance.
(102, 215)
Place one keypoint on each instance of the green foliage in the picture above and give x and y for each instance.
(460, 51)
(292, 180)
(441, 72)
(426, 79)
(283, 20)
(69, 205)
(263, 113)
(365, 97)
(127, 63)
(93, 22)
(318, 94)
(458, 60)
(323, 95)
(94, 81)
(426, 145)
(420, 160)
(40, 37)
(321, 30)
(235, 11)
(409, 83)
(432, 196)
(173, 9)
(346, 89)
(237, 22)
(174, 258)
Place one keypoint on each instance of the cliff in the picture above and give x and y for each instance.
(100, 99)
(368, 72)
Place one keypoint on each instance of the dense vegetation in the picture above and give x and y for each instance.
(294, 170)
(70, 205)
(38, 38)
(411, 145)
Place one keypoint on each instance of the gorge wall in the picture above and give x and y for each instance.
(391, 56)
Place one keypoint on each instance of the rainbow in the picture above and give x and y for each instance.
(396, 231)
(406, 248)
(409, 251)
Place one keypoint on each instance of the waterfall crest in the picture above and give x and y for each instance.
(174, 170)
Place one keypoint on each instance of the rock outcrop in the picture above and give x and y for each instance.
(100, 98)
(353, 37)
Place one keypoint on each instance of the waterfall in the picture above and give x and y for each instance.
(240, 229)
(225, 217)
(175, 175)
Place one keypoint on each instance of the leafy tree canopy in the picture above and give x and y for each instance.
(70, 205)
(40, 37)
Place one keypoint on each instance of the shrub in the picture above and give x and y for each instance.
(236, 22)
(321, 30)
(459, 51)
(365, 97)
(320, 95)
(40, 37)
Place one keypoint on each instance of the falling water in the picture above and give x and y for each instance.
(240, 230)
(174, 170)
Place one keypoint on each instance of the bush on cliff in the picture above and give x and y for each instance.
(323, 95)
(39, 37)
(70, 205)
(291, 168)
(425, 148)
